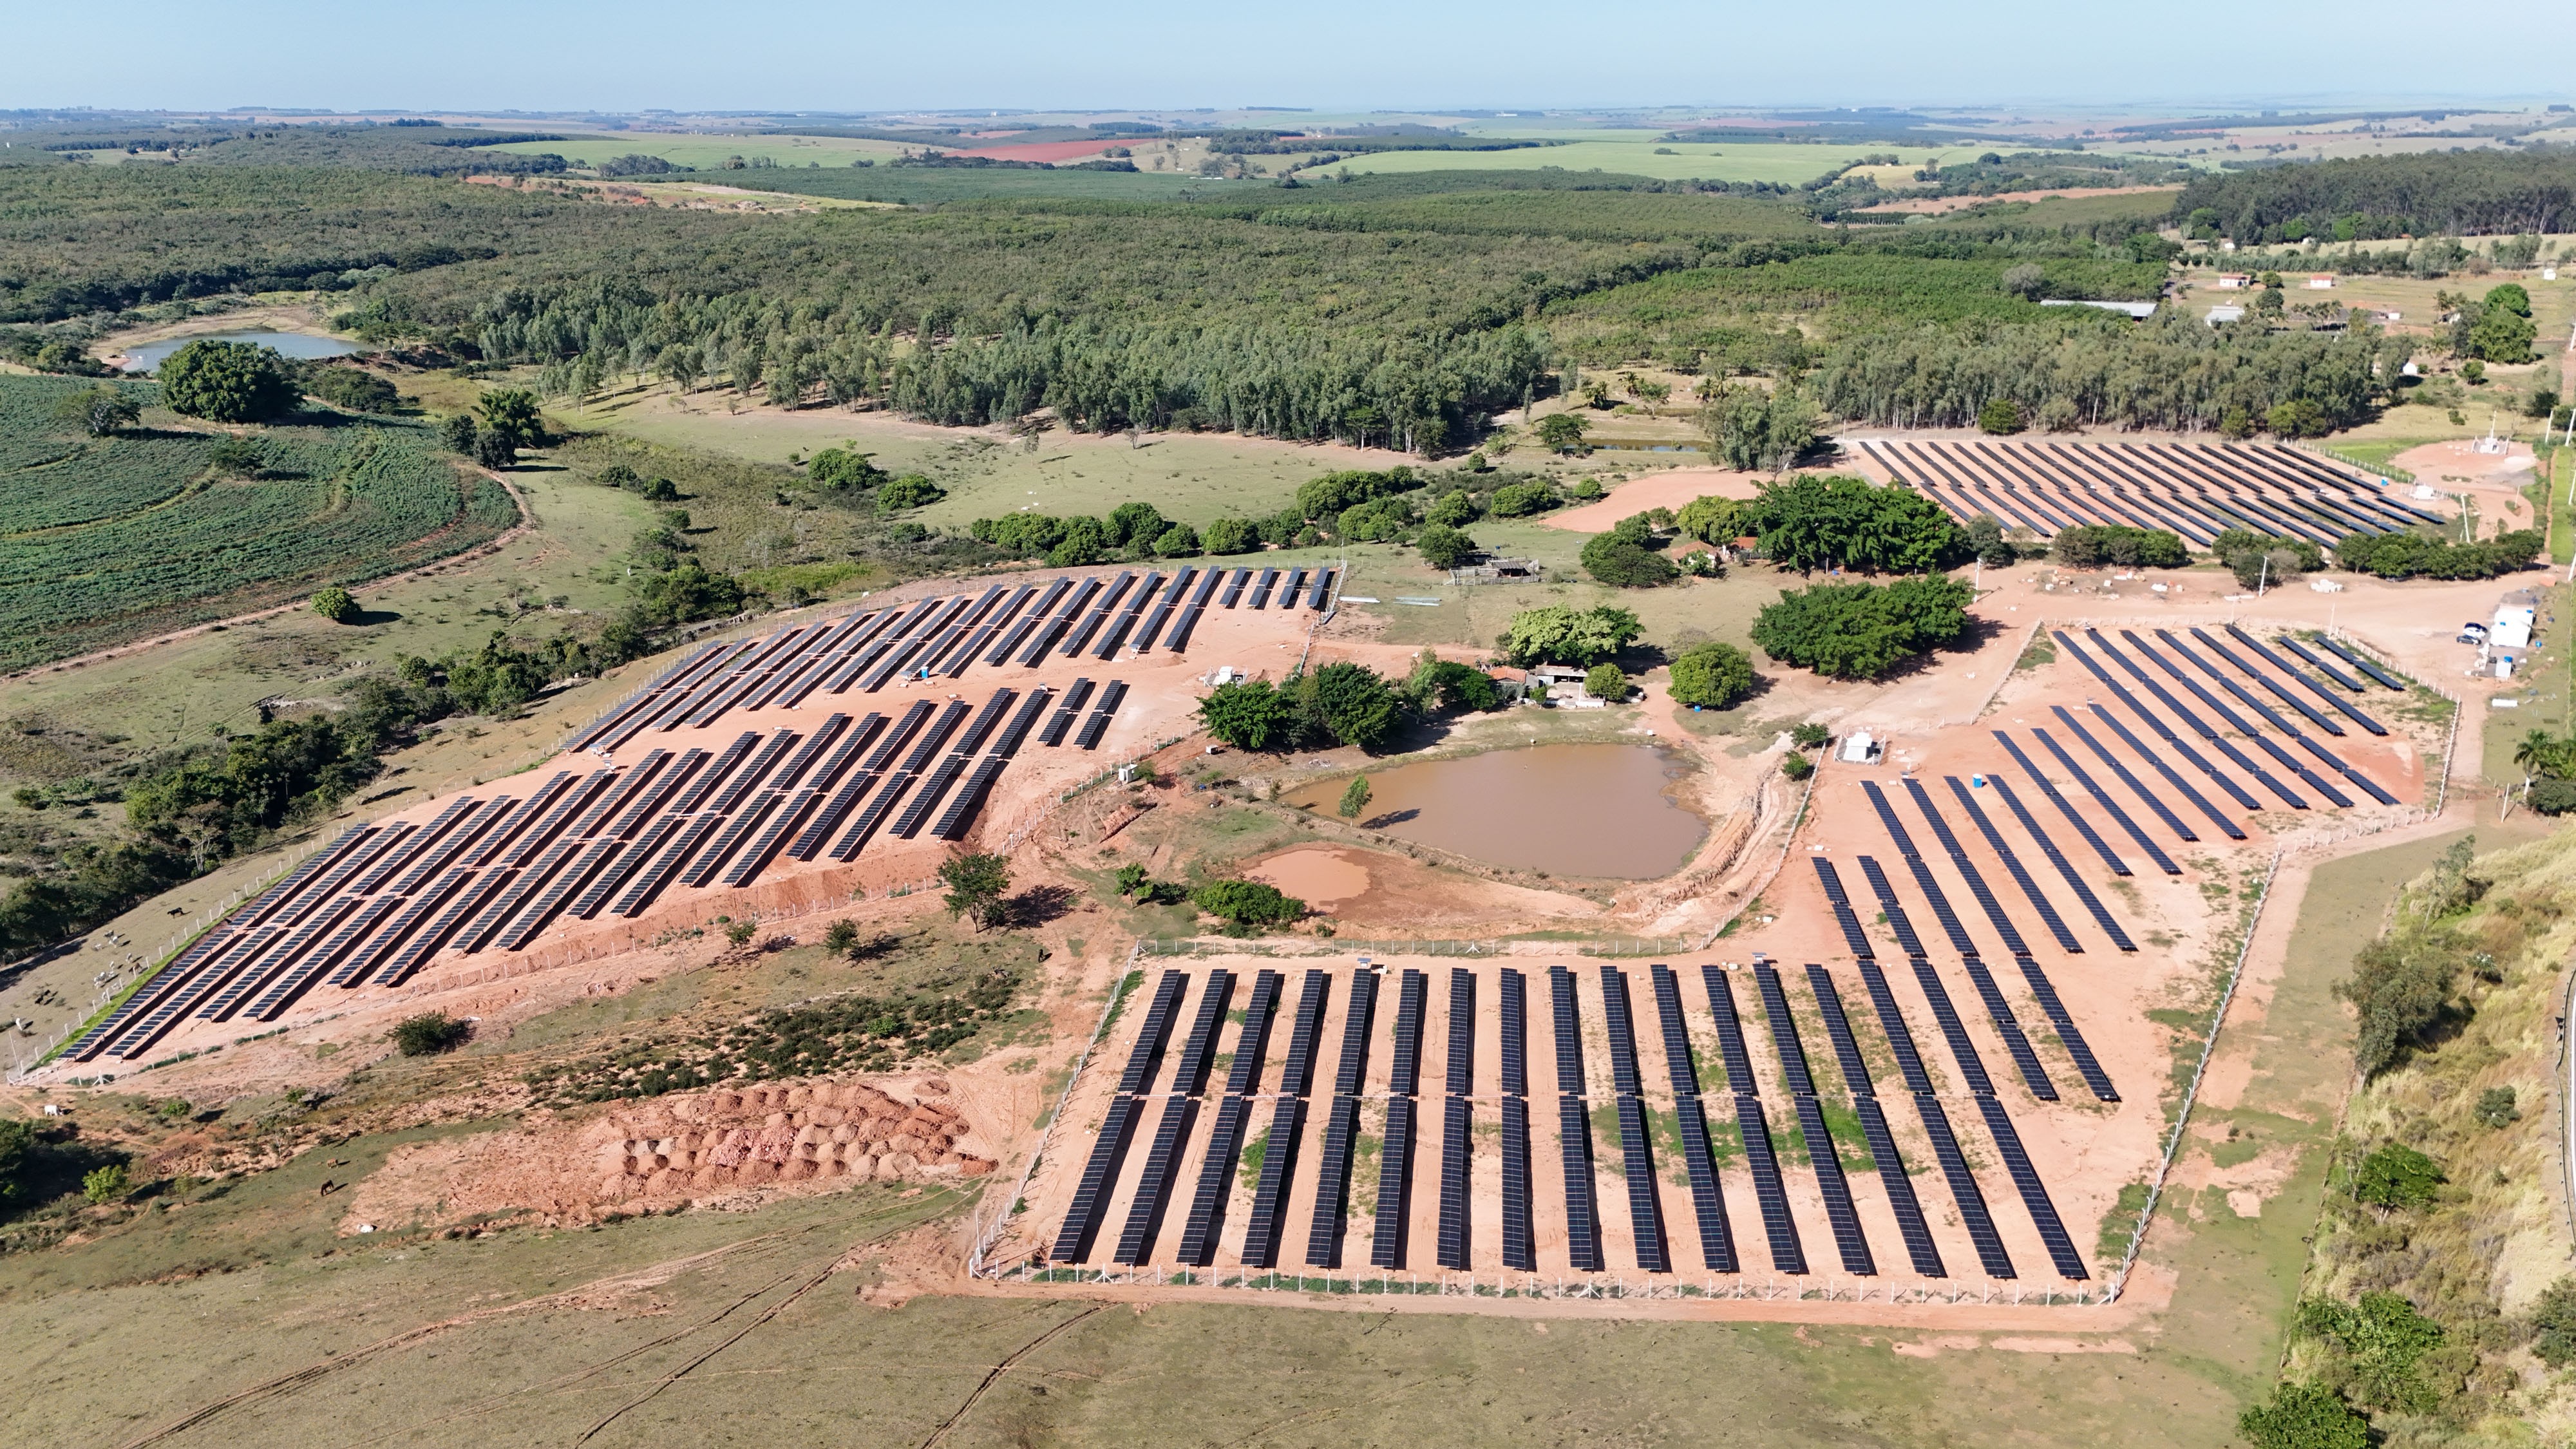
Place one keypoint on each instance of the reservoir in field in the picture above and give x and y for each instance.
(145, 356)
(1581, 810)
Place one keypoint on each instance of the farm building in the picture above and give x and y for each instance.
(2516, 615)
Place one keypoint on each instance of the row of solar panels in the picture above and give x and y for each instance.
(942, 638)
(2196, 491)
(379, 903)
(1156, 1186)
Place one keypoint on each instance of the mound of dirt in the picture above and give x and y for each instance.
(673, 1150)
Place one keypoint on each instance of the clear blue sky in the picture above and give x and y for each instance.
(635, 54)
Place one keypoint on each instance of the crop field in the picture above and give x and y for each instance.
(332, 506)
(708, 153)
(52, 480)
(930, 185)
(1638, 153)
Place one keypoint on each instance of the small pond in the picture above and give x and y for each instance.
(1579, 810)
(144, 356)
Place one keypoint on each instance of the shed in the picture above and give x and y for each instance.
(2217, 315)
(2234, 281)
(1859, 749)
(2320, 284)
(2516, 615)
(2134, 311)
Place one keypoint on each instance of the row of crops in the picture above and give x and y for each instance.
(136, 536)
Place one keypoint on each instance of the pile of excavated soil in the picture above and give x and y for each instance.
(673, 1150)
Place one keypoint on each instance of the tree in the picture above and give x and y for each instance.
(1713, 675)
(1249, 714)
(2025, 280)
(2399, 988)
(1177, 541)
(493, 449)
(840, 937)
(1797, 767)
(353, 388)
(513, 413)
(1986, 540)
(1355, 799)
(1606, 682)
(1809, 735)
(1247, 903)
(1560, 635)
(2297, 418)
(106, 1184)
(911, 490)
(1233, 536)
(1711, 520)
(1811, 522)
(843, 469)
(1443, 547)
(457, 433)
(1515, 500)
(1561, 432)
(1350, 704)
(1451, 685)
(1623, 563)
(2502, 333)
(2000, 416)
(1749, 428)
(227, 382)
(2395, 1177)
(336, 605)
(1458, 507)
(430, 1033)
(2097, 544)
(2303, 1416)
(1860, 631)
(1133, 523)
(975, 886)
(2553, 1322)
(98, 411)
(17, 1151)
(1133, 878)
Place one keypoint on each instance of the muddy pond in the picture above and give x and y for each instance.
(144, 356)
(1578, 810)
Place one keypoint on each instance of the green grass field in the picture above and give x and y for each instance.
(931, 185)
(708, 153)
(1637, 153)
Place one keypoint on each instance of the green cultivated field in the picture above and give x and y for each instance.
(114, 539)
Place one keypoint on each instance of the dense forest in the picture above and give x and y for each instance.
(2422, 193)
(1408, 310)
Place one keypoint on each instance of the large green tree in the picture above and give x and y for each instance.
(1561, 635)
(1751, 428)
(1350, 704)
(1814, 522)
(1860, 631)
(227, 382)
(1249, 714)
(1714, 675)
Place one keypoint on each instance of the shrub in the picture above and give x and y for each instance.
(431, 1033)
(106, 1184)
(2383, 1340)
(1458, 508)
(844, 468)
(1606, 681)
(1561, 432)
(17, 1153)
(912, 490)
(1443, 547)
(227, 382)
(1355, 799)
(2303, 1416)
(1809, 735)
(839, 937)
(336, 605)
(104, 410)
(2553, 1324)
(1860, 631)
(1561, 635)
(2398, 988)
(1518, 500)
(1622, 563)
(1247, 902)
(2095, 545)
(1232, 536)
(2552, 797)
(2396, 1177)
(2496, 1108)
(456, 433)
(976, 884)
(1797, 767)
(1249, 714)
(1451, 685)
(1713, 675)
(351, 388)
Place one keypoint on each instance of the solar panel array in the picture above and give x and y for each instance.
(1822, 1155)
(2196, 490)
(1520, 1246)
(1341, 1130)
(1395, 1156)
(1457, 1123)
(1574, 1127)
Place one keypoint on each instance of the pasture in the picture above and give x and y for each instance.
(107, 540)
(708, 153)
(1639, 153)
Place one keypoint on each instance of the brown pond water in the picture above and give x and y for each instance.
(1582, 810)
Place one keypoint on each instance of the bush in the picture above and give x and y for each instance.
(1625, 564)
(456, 433)
(106, 1184)
(2411, 555)
(227, 382)
(2399, 989)
(1443, 547)
(2098, 544)
(1250, 714)
(336, 605)
(912, 490)
(2553, 1324)
(844, 468)
(1713, 675)
(1860, 631)
(1232, 536)
(1560, 635)
(1797, 767)
(2396, 1177)
(2552, 797)
(348, 387)
(2303, 1416)
(431, 1033)
(1810, 522)
(840, 937)
(1606, 682)
(1458, 508)
(1247, 903)
(2497, 1108)
(1519, 500)
(1809, 735)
